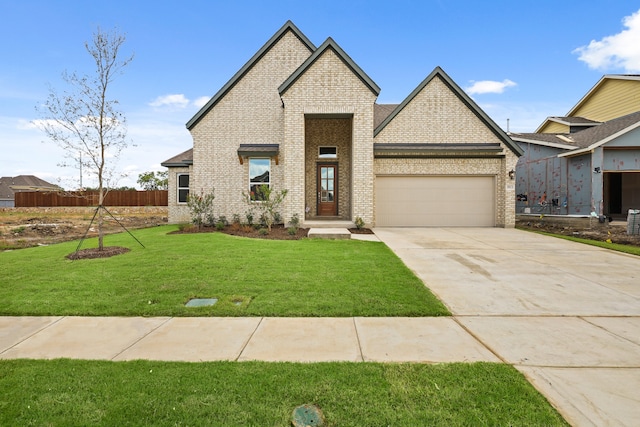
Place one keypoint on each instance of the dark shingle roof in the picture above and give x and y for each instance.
(589, 137)
(183, 159)
(381, 112)
(593, 135)
(10, 185)
(565, 139)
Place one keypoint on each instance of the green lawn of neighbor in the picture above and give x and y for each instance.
(249, 277)
(100, 393)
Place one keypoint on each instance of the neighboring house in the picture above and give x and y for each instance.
(587, 161)
(305, 119)
(11, 185)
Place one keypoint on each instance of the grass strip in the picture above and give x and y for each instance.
(627, 249)
(79, 393)
(249, 277)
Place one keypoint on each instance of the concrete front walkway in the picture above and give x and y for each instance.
(566, 315)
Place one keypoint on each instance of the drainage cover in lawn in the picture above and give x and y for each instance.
(201, 302)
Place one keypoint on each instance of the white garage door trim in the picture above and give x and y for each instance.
(435, 201)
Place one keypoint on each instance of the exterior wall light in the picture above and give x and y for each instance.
(512, 174)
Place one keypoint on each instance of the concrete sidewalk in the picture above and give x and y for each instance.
(194, 339)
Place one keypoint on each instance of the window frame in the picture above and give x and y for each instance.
(258, 183)
(327, 156)
(182, 188)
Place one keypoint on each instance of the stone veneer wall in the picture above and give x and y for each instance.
(437, 115)
(250, 113)
(177, 212)
(328, 132)
(329, 87)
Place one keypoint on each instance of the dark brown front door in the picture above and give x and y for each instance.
(327, 190)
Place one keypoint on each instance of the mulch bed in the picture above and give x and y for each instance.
(93, 253)
(278, 232)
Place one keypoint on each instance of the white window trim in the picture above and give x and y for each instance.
(178, 188)
(328, 156)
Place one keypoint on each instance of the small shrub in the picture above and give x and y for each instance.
(235, 226)
(292, 231)
(359, 223)
(19, 230)
(220, 225)
(249, 216)
(235, 219)
(223, 219)
(263, 231)
(246, 228)
(295, 221)
(263, 221)
(201, 208)
(277, 218)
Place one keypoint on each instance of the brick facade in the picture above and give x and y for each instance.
(177, 212)
(301, 98)
(449, 121)
(250, 113)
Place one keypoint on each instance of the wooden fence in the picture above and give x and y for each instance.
(26, 199)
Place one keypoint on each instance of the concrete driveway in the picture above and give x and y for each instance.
(566, 315)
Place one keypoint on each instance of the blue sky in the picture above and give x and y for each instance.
(521, 61)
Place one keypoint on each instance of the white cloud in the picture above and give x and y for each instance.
(489, 86)
(200, 102)
(620, 50)
(175, 101)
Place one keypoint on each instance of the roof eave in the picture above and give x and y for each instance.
(544, 143)
(288, 26)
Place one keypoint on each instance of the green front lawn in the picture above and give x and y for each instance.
(249, 277)
(81, 393)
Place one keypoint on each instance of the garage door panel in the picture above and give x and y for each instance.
(435, 201)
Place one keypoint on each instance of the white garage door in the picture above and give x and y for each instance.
(435, 201)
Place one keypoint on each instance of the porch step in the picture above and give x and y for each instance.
(329, 233)
(328, 224)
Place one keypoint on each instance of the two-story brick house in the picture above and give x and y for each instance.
(305, 119)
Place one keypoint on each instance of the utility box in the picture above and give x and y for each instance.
(633, 222)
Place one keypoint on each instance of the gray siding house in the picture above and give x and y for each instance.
(587, 162)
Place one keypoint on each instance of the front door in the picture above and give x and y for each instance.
(327, 190)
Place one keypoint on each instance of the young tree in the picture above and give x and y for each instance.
(154, 180)
(84, 121)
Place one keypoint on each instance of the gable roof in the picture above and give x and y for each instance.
(598, 85)
(288, 26)
(462, 96)
(329, 44)
(587, 97)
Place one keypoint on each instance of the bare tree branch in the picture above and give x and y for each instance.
(84, 121)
